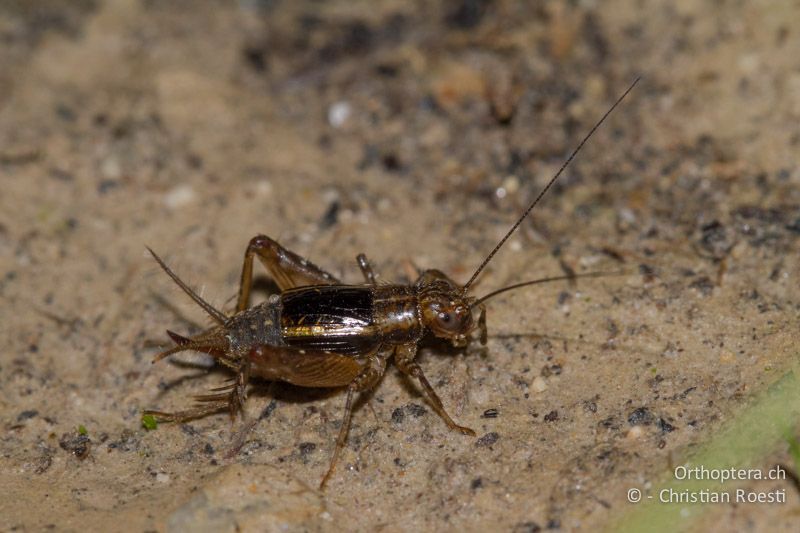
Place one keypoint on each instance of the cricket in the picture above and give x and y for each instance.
(319, 332)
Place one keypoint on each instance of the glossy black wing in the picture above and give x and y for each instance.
(335, 318)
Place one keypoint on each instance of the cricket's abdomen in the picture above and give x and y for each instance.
(258, 325)
(333, 318)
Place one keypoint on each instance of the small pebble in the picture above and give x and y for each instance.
(511, 184)
(641, 417)
(749, 63)
(179, 196)
(338, 114)
(635, 433)
(539, 384)
(488, 439)
(110, 168)
(264, 188)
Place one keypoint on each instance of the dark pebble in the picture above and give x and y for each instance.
(25, 415)
(306, 448)
(665, 426)
(527, 527)
(641, 417)
(78, 445)
(488, 439)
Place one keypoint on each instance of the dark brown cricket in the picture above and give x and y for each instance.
(319, 332)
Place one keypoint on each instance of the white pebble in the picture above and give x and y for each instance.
(539, 384)
(511, 184)
(635, 433)
(179, 196)
(338, 114)
(749, 63)
(110, 168)
(627, 215)
(264, 188)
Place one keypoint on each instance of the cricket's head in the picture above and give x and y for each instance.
(444, 307)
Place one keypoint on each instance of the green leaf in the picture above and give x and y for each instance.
(149, 422)
(794, 449)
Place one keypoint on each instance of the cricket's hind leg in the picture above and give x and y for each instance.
(287, 269)
(366, 380)
(230, 397)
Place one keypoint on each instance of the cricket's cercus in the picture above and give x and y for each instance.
(319, 332)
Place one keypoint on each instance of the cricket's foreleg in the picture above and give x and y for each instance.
(366, 380)
(404, 358)
(482, 326)
(366, 269)
(287, 269)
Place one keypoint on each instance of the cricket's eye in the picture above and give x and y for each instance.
(450, 318)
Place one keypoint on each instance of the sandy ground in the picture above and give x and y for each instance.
(416, 133)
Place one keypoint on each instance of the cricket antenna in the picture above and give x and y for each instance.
(570, 277)
(218, 316)
(547, 187)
